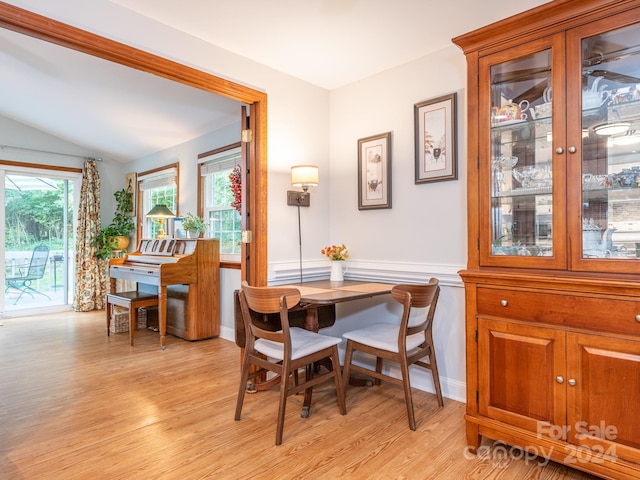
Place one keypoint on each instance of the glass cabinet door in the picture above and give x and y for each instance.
(520, 198)
(610, 162)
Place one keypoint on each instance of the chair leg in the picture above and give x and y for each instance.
(436, 377)
(309, 372)
(244, 378)
(22, 292)
(340, 387)
(379, 362)
(31, 289)
(406, 383)
(284, 387)
(347, 366)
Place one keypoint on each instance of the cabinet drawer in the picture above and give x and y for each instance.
(594, 313)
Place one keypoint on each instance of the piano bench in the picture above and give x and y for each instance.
(132, 301)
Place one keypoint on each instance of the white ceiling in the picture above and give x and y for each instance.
(125, 114)
(329, 43)
(112, 110)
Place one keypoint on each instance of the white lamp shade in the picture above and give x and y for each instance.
(304, 176)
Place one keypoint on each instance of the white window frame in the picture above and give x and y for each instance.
(209, 165)
(149, 183)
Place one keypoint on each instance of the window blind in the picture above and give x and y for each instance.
(158, 179)
(220, 162)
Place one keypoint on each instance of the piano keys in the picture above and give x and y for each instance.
(186, 275)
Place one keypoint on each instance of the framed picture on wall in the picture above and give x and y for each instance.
(436, 139)
(131, 186)
(374, 172)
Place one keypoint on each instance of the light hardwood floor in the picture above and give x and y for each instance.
(75, 404)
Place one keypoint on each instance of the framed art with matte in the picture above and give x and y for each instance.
(131, 186)
(435, 139)
(374, 172)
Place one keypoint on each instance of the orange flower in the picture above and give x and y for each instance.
(336, 252)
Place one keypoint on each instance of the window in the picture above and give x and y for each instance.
(158, 187)
(223, 219)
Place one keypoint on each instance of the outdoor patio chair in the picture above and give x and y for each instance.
(28, 273)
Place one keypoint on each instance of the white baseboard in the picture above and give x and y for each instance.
(421, 379)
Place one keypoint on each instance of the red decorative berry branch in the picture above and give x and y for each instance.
(236, 188)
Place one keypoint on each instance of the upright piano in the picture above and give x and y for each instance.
(186, 275)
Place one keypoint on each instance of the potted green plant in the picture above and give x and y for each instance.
(193, 225)
(115, 236)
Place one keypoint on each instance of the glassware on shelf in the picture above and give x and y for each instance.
(595, 182)
(504, 162)
(610, 201)
(533, 177)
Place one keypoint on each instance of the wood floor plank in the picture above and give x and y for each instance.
(76, 404)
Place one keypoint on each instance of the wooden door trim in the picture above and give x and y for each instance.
(43, 28)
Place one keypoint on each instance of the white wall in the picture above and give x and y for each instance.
(186, 155)
(16, 134)
(422, 235)
(298, 112)
(427, 222)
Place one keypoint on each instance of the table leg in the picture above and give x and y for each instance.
(311, 319)
(133, 322)
(162, 315)
(112, 289)
(107, 309)
(310, 323)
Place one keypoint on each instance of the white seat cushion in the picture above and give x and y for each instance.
(303, 343)
(383, 336)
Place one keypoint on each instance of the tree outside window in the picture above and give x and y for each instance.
(224, 221)
(165, 195)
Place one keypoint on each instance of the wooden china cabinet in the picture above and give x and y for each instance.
(553, 277)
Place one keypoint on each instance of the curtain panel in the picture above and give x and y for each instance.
(90, 272)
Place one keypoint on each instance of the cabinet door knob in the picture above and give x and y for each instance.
(572, 149)
(559, 150)
(560, 379)
(638, 318)
(504, 303)
(572, 382)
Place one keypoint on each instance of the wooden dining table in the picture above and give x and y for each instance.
(325, 292)
(321, 293)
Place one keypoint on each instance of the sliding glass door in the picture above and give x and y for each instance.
(38, 214)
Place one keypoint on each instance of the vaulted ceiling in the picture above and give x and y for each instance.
(126, 114)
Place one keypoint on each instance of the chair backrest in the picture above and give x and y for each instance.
(38, 263)
(417, 296)
(258, 302)
(297, 318)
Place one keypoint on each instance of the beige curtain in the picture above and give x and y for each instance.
(89, 271)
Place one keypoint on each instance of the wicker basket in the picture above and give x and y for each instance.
(120, 319)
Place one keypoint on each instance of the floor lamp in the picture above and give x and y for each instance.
(304, 176)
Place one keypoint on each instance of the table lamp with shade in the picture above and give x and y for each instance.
(159, 212)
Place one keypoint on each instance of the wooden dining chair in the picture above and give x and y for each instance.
(285, 351)
(407, 343)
